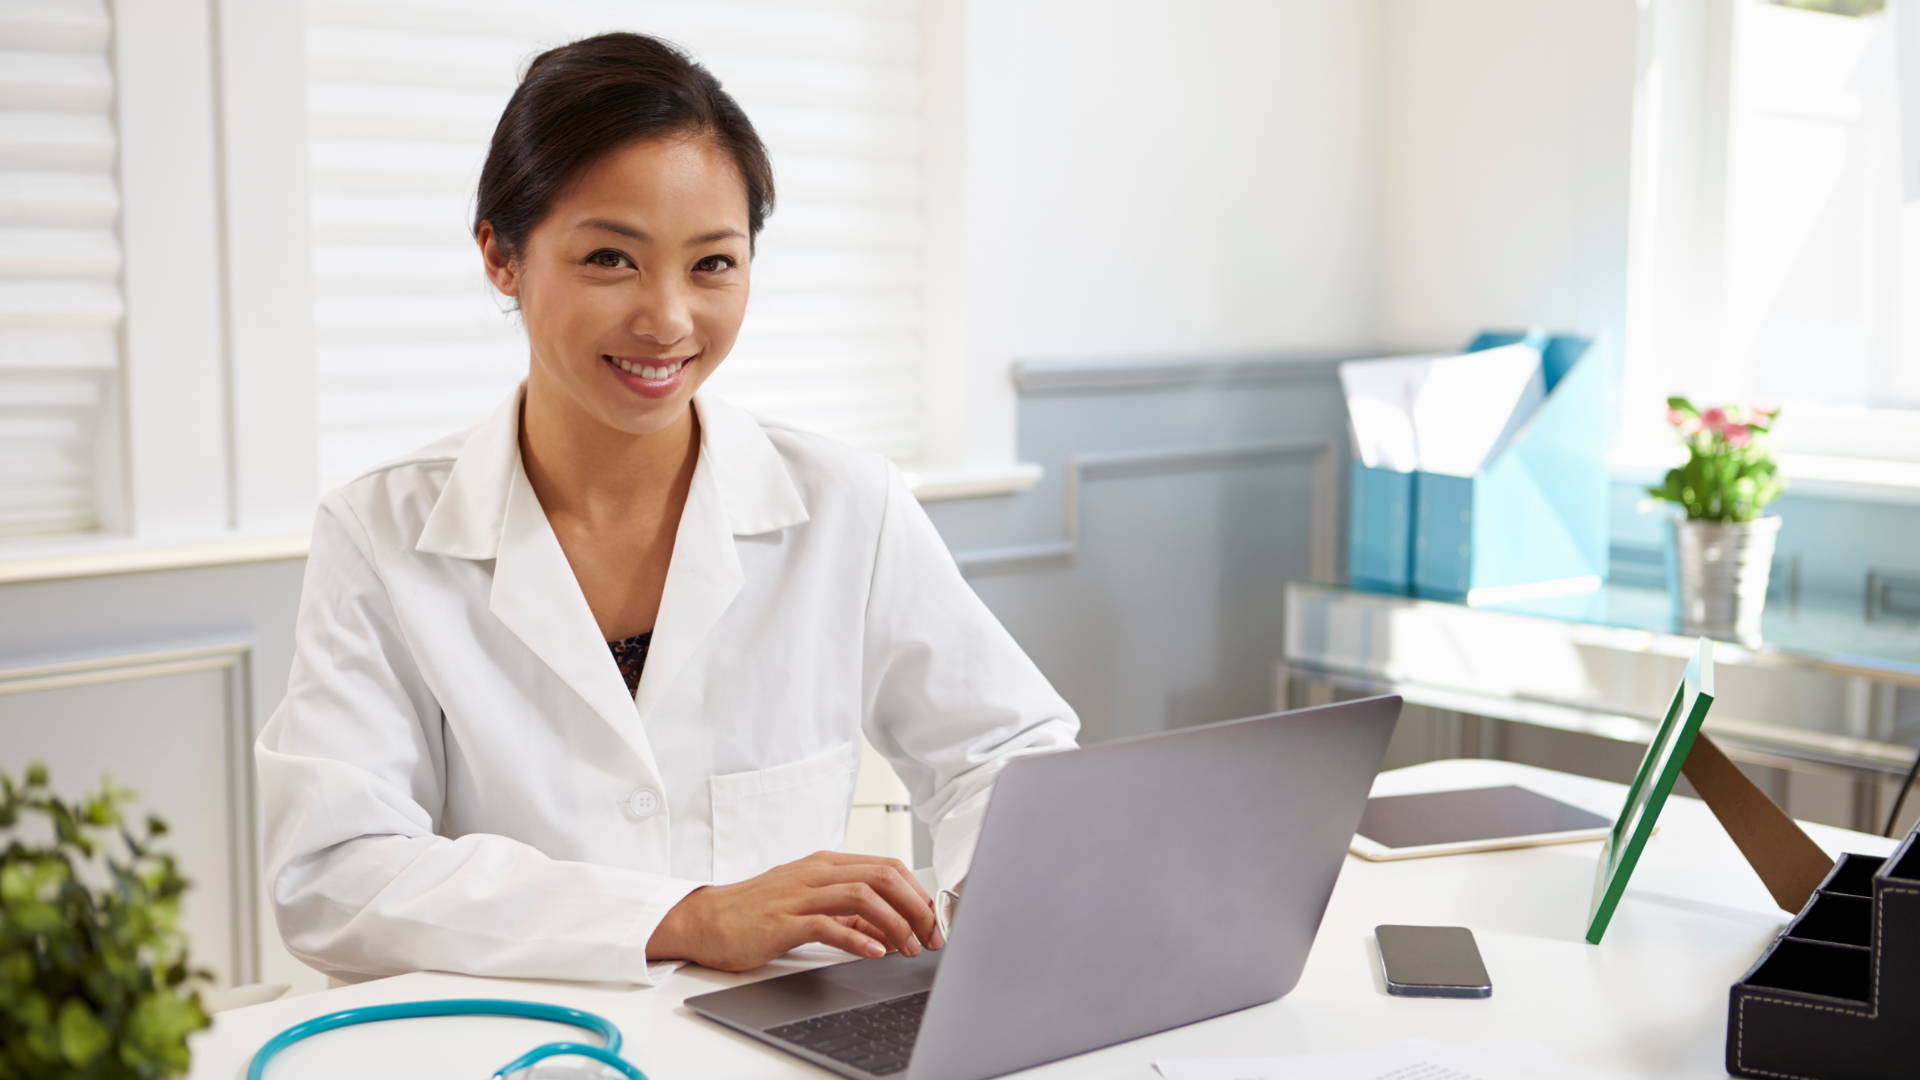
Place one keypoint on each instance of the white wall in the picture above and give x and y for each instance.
(1505, 163)
(1188, 177)
(1220, 175)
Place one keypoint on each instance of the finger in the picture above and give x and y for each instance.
(884, 877)
(841, 858)
(889, 876)
(863, 926)
(859, 898)
(896, 888)
(831, 931)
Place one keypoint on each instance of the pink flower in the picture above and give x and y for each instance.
(1714, 420)
(1676, 418)
(1762, 413)
(1737, 434)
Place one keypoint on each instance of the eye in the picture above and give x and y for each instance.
(727, 259)
(609, 258)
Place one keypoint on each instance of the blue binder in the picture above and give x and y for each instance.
(1533, 521)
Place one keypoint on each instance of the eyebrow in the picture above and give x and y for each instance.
(609, 225)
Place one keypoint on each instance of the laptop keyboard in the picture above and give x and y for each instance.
(877, 1037)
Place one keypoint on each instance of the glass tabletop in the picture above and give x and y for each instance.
(1830, 631)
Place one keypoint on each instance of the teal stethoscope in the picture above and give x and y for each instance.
(608, 1055)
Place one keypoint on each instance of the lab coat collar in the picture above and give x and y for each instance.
(467, 520)
(488, 510)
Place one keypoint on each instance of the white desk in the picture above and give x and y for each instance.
(1649, 1002)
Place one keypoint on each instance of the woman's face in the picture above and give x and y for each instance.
(633, 287)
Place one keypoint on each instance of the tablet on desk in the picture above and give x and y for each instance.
(1471, 819)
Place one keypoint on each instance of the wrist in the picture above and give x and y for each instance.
(675, 936)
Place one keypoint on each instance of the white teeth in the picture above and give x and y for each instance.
(653, 373)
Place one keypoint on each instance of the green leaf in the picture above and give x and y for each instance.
(1683, 405)
(16, 883)
(16, 968)
(49, 875)
(161, 1021)
(34, 1017)
(1767, 490)
(99, 810)
(82, 1035)
(35, 917)
(36, 775)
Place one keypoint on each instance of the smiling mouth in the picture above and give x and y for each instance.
(653, 369)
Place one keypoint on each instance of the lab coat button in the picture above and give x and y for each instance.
(643, 803)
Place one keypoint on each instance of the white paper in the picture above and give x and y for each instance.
(1468, 406)
(1415, 1059)
(1443, 414)
(1380, 396)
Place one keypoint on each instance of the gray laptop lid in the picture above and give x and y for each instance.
(1138, 885)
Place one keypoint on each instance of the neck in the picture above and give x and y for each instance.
(598, 475)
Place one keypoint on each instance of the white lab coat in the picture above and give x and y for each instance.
(458, 779)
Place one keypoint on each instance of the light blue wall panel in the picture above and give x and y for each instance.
(1145, 573)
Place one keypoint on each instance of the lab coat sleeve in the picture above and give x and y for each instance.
(352, 775)
(950, 696)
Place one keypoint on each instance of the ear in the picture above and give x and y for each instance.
(500, 267)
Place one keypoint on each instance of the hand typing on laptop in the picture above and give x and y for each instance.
(864, 904)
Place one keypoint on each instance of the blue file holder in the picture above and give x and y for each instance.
(1533, 521)
(1380, 530)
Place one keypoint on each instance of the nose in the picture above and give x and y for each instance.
(661, 311)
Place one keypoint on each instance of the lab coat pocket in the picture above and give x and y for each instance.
(765, 817)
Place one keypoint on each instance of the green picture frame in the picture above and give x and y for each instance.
(1659, 771)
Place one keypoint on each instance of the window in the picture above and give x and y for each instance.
(235, 265)
(1778, 254)
(60, 307)
(1823, 284)
(410, 341)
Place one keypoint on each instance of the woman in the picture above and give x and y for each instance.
(459, 778)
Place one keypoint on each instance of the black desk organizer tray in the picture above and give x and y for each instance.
(1837, 995)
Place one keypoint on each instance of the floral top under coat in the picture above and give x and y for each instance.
(631, 655)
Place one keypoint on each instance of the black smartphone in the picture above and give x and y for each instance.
(1432, 961)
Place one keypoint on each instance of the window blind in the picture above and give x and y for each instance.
(60, 306)
(403, 95)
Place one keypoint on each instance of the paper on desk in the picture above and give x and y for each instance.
(1415, 1059)
(1442, 414)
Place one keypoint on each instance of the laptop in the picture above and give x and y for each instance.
(1116, 891)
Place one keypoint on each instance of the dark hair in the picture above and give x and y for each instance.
(579, 101)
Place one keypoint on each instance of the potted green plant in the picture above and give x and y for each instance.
(1724, 541)
(94, 980)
